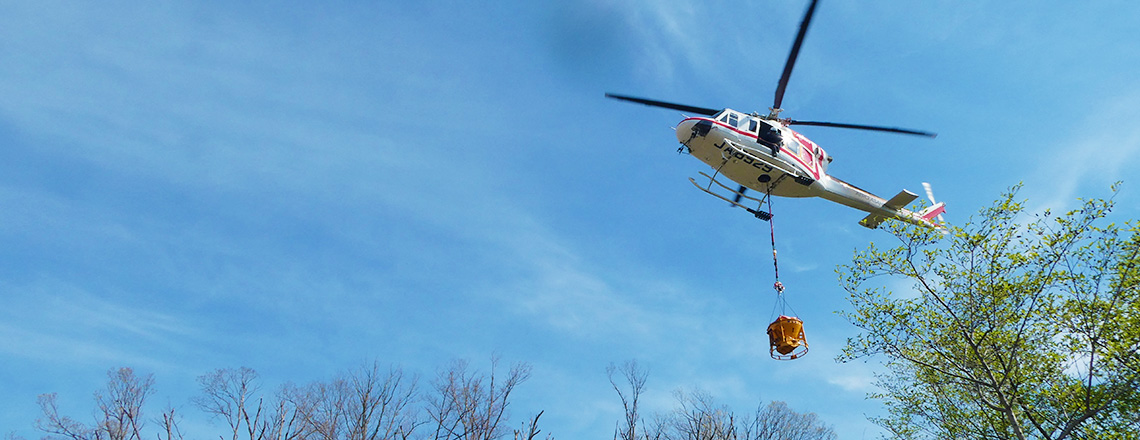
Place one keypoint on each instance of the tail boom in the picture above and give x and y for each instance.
(923, 218)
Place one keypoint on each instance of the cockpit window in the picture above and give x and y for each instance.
(736, 120)
(730, 118)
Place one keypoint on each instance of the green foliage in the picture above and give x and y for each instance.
(1016, 325)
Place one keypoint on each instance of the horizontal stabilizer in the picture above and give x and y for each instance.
(900, 200)
(872, 221)
(897, 204)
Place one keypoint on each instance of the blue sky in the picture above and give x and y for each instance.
(299, 188)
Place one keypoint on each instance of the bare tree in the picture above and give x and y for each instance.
(779, 422)
(364, 404)
(319, 405)
(529, 433)
(635, 377)
(368, 403)
(470, 405)
(229, 394)
(288, 418)
(380, 404)
(120, 410)
(53, 423)
(169, 422)
(232, 395)
(698, 417)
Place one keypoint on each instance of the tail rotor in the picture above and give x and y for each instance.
(930, 196)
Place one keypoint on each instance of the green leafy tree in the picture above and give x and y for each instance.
(1017, 325)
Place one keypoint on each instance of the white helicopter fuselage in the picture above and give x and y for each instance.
(766, 156)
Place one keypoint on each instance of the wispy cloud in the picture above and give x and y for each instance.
(577, 296)
(54, 320)
(1100, 149)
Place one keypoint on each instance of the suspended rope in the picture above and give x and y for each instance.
(786, 333)
(775, 261)
(781, 301)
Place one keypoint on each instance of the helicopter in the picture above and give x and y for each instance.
(762, 153)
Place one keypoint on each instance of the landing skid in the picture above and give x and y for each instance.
(758, 213)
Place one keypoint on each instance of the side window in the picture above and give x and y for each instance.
(732, 120)
(791, 143)
(752, 125)
(724, 118)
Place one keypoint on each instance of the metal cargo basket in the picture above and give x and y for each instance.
(786, 338)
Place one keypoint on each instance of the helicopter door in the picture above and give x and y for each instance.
(768, 135)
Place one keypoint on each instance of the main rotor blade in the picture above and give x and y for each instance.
(861, 127)
(792, 56)
(669, 105)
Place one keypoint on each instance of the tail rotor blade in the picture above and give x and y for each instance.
(929, 192)
(930, 195)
